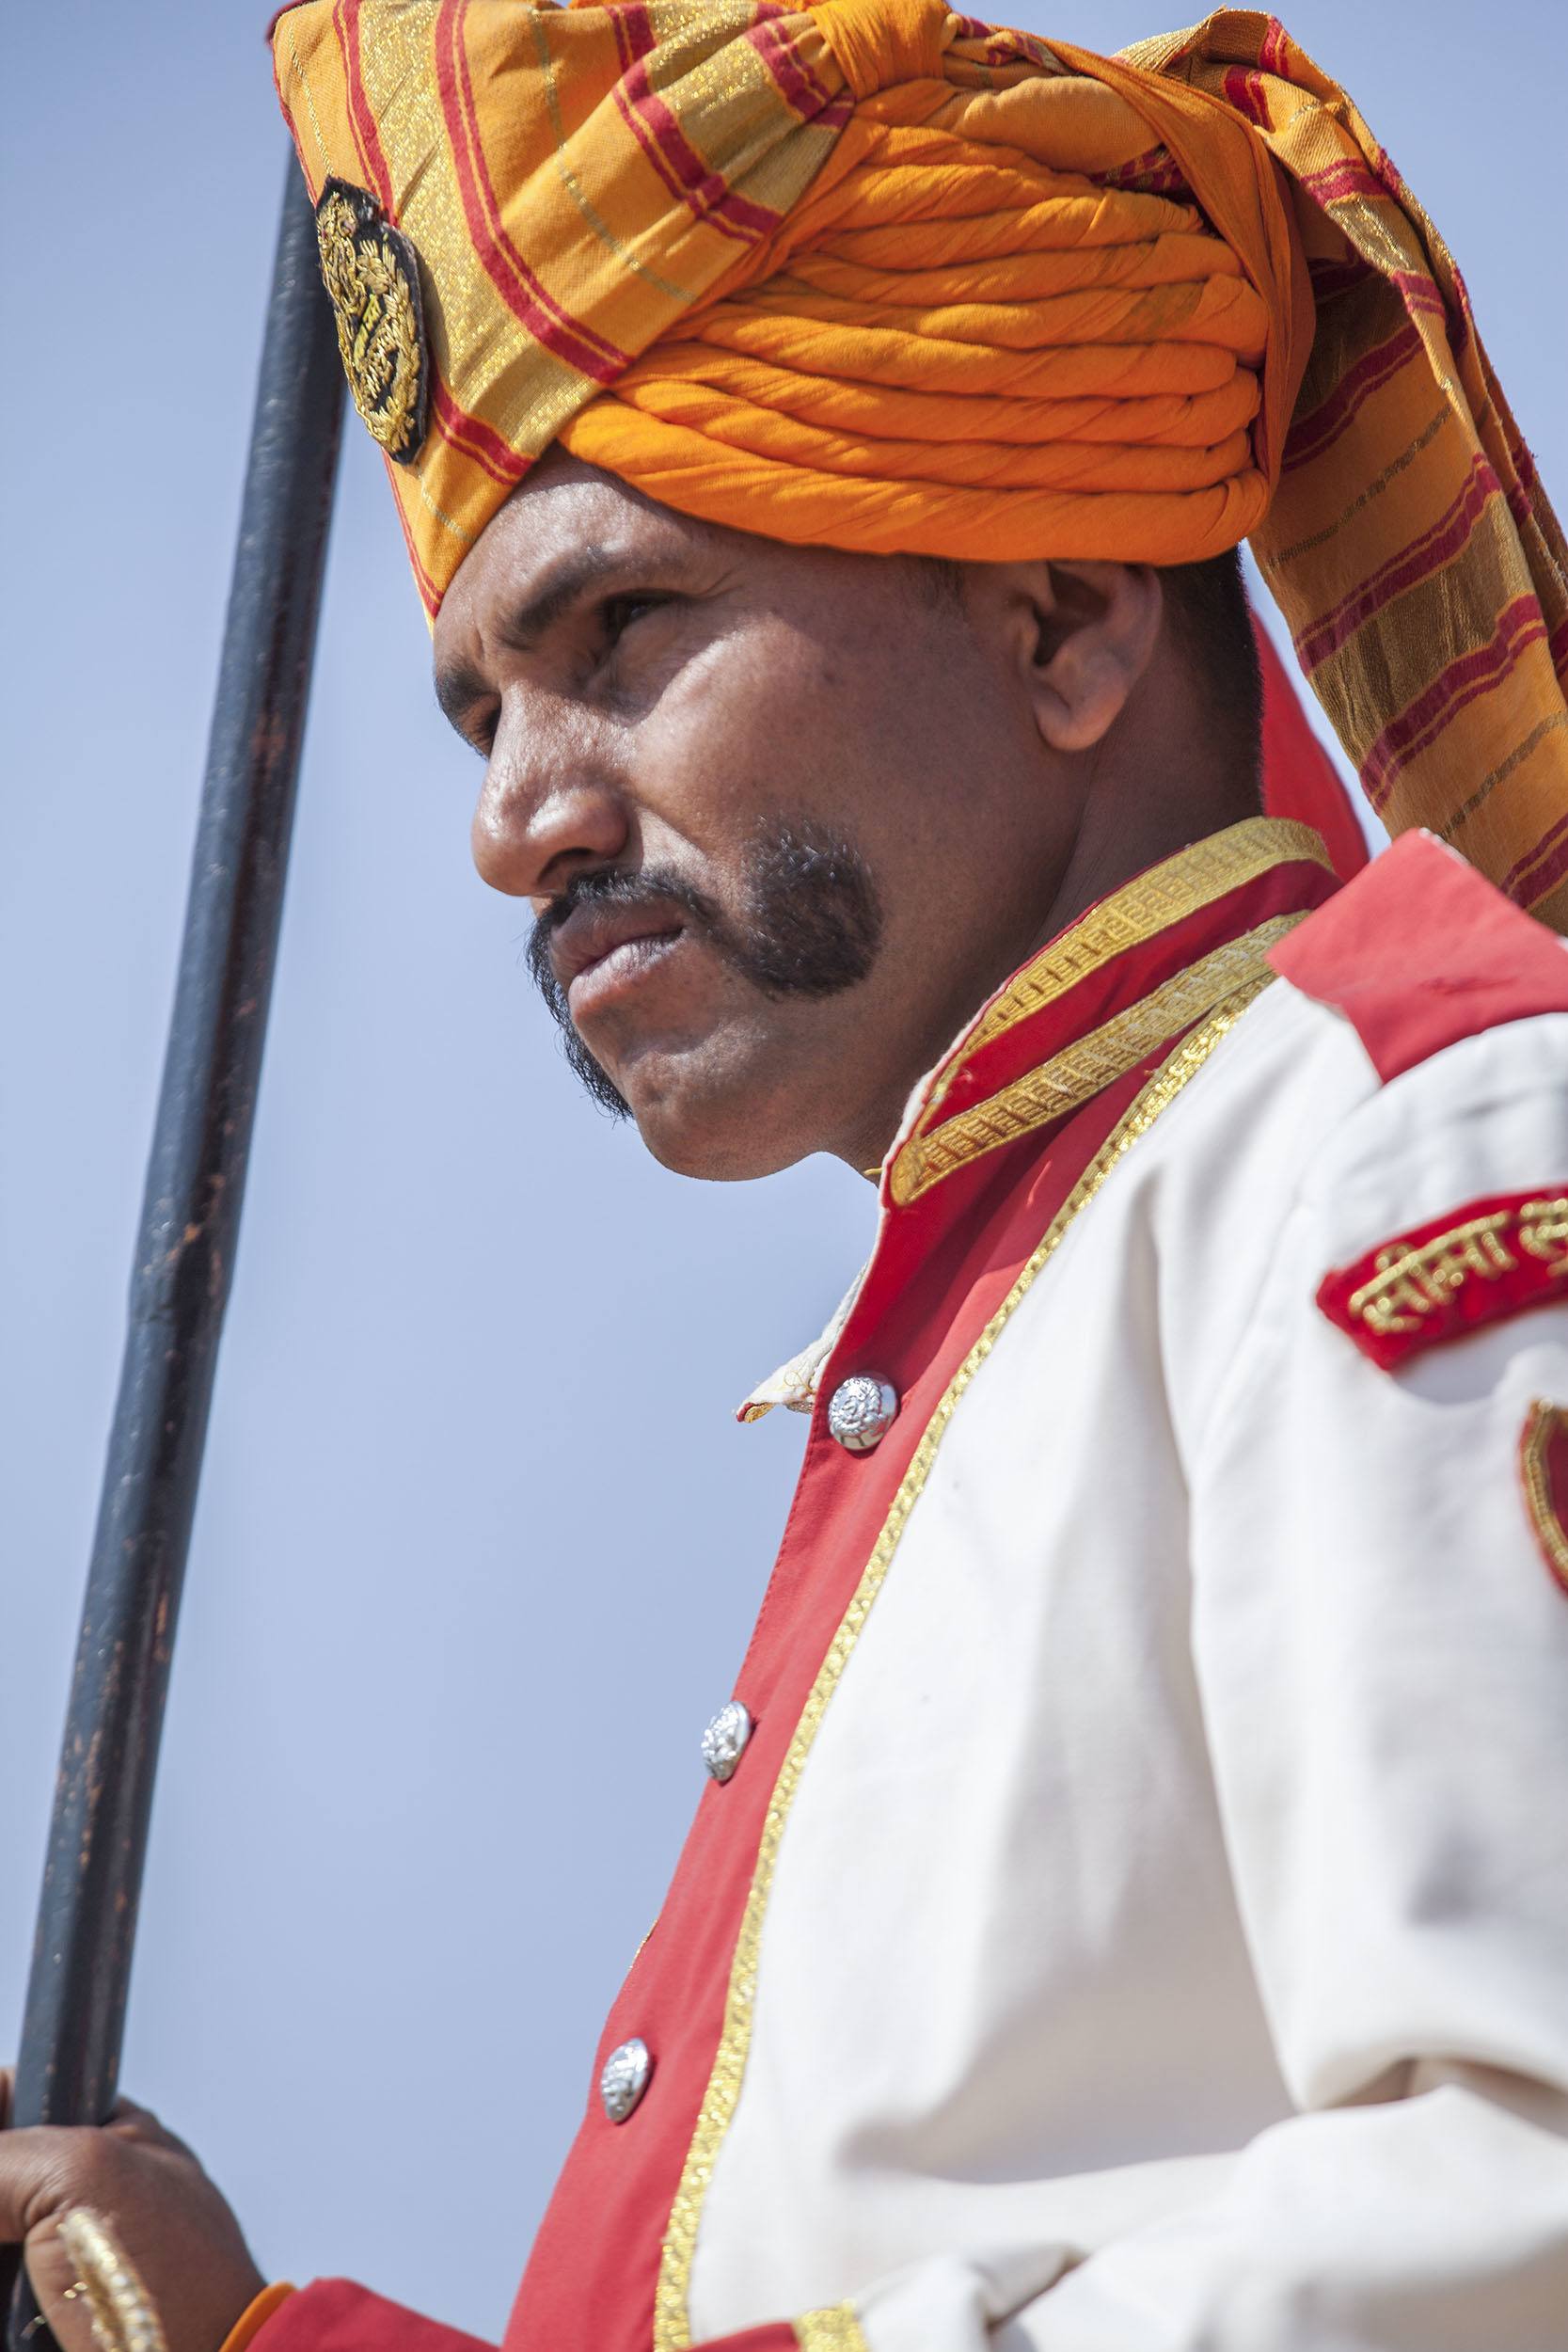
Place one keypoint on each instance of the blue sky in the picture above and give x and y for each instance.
(478, 1543)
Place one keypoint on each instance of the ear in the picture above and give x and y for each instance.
(1083, 635)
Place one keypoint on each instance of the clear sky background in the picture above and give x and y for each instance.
(479, 1544)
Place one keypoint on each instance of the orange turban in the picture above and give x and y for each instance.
(875, 277)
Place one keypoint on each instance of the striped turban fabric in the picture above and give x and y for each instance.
(872, 276)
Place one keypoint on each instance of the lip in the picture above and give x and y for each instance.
(600, 948)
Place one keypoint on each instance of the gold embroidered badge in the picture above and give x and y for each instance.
(1543, 1472)
(371, 275)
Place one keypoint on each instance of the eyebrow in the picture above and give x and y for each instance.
(461, 688)
(459, 691)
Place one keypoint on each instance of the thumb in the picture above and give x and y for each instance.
(36, 2188)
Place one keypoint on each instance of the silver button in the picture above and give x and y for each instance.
(624, 2078)
(860, 1411)
(726, 1738)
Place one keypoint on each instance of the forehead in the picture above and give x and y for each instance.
(563, 510)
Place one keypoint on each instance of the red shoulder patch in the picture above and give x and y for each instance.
(1492, 1258)
(1420, 950)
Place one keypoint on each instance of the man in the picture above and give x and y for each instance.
(1125, 1909)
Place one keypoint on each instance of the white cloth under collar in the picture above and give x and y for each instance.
(794, 1385)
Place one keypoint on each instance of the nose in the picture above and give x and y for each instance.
(550, 807)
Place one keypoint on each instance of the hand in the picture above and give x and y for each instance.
(162, 2209)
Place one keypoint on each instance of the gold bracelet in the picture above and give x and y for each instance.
(120, 2308)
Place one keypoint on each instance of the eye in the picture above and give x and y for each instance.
(618, 614)
(478, 731)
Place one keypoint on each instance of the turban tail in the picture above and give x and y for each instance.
(880, 278)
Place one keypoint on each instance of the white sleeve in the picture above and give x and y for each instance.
(1382, 1658)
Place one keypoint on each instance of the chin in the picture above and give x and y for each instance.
(717, 1151)
(725, 1134)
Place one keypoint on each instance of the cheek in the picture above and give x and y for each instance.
(864, 728)
(780, 720)
(736, 738)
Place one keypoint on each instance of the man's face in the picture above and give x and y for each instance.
(780, 813)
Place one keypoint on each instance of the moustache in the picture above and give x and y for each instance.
(810, 925)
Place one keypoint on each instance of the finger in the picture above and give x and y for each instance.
(34, 2164)
(141, 2126)
(131, 2120)
(7, 2080)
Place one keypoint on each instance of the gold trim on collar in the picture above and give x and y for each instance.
(1179, 886)
(1080, 1071)
(1151, 903)
(672, 2318)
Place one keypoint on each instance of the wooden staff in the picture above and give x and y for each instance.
(68, 2063)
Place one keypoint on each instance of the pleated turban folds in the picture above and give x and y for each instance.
(875, 277)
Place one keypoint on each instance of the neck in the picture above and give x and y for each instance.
(1124, 828)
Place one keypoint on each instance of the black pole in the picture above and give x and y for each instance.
(68, 2063)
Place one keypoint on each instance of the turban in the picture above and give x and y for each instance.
(875, 277)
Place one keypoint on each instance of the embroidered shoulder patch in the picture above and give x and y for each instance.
(370, 273)
(1492, 1258)
(1543, 1470)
